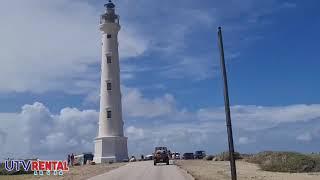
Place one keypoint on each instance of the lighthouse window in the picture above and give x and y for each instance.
(108, 86)
(108, 36)
(108, 113)
(109, 59)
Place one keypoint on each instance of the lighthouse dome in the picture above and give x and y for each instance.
(110, 5)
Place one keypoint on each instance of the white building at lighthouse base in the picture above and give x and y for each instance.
(110, 149)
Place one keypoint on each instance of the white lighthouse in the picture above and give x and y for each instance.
(110, 144)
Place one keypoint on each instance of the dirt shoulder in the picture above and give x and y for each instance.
(75, 173)
(220, 170)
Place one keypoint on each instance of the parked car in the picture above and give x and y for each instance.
(132, 159)
(199, 154)
(161, 155)
(175, 155)
(149, 157)
(125, 160)
(81, 159)
(188, 156)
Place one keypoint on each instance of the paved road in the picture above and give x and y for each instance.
(145, 170)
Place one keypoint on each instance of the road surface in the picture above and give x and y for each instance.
(145, 170)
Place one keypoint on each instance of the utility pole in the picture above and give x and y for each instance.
(227, 107)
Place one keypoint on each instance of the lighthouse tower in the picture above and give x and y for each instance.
(110, 144)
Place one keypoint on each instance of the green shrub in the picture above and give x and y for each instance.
(225, 156)
(286, 162)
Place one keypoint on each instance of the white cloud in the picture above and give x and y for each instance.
(180, 136)
(260, 117)
(127, 76)
(194, 68)
(37, 132)
(245, 140)
(135, 133)
(131, 42)
(135, 105)
(289, 5)
(305, 137)
(50, 45)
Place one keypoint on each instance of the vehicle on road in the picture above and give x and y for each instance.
(199, 154)
(188, 156)
(149, 157)
(161, 155)
(175, 155)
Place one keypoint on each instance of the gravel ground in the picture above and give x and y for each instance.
(220, 170)
(75, 173)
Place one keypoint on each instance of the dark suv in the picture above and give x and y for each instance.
(161, 155)
(188, 156)
(199, 154)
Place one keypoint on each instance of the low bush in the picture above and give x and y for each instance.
(225, 156)
(286, 162)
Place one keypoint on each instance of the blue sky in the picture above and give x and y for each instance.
(50, 65)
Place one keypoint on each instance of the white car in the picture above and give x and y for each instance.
(133, 159)
(175, 155)
(149, 157)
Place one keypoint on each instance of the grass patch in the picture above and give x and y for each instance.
(225, 156)
(286, 162)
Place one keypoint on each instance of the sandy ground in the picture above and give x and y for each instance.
(219, 170)
(75, 173)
